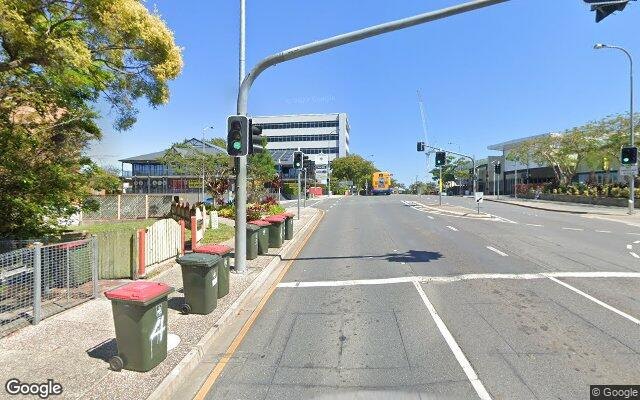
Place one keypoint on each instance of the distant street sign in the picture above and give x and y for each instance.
(479, 197)
(345, 184)
(628, 170)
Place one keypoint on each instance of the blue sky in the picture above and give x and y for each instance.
(515, 69)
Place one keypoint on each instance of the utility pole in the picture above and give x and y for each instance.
(304, 50)
(305, 188)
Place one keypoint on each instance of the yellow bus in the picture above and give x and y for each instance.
(381, 183)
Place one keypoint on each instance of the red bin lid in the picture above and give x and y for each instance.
(260, 222)
(288, 214)
(275, 218)
(219, 249)
(141, 291)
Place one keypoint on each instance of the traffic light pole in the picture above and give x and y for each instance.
(299, 194)
(312, 48)
(440, 191)
(305, 188)
(472, 158)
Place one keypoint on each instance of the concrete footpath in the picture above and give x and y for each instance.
(73, 347)
(615, 214)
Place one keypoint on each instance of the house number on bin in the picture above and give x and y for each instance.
(157, 334)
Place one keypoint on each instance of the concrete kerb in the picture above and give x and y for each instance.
(179, 373)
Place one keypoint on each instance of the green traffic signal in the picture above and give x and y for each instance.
(237, 145)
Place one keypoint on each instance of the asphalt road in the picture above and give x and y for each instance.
(391, 299)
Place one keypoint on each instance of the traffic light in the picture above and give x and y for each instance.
(255, 138)
(629, 156)
(604, 8)
(297, 159)
(420, 146)
(441, 158)
(237, 135)
(497, 168)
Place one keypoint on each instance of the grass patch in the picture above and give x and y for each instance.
(100, 227)
(214, 236)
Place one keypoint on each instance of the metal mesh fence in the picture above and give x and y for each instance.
(132, 207)
(16, 289)
(38, 281)
(107, 208)
(160, 206)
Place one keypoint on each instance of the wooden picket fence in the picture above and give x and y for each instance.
(163, 240)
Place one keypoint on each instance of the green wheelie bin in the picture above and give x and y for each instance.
(263, 235)
(276, 230)
(200, 281)
(223, 265)
(288, 225)
(140, 319)
(253, 231)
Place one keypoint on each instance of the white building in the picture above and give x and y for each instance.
(322, 137)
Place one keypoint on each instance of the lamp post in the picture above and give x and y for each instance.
(631, 139)
(203, 158)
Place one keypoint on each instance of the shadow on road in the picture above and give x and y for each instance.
(411, 256)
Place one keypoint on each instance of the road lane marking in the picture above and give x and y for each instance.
(599, 302)
(636, 242)
(453, 345)
(573, 229)
(430, 217)
(634, 254)
(632, 233)
(217, 370)
(452, 228)
(603, 231)
(459, 278)
(629, 247)
(535, 225)
(497, 251)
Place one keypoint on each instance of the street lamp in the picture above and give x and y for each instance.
(631, 139)
(203, 158)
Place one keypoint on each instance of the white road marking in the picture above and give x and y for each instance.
(573, 229)
(636, 242)
(452, 228)
(634, 254)
(497, 251)
(459, 278)
(629, 247)
(632, 233)
(535, 225)
(603, 231)
(599, 302)
(430, 217)
(453, 345)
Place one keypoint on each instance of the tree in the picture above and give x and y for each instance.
(422, 188)
(220, 142)
(104, 179)
(447, 170)
(186, 159)
(352, 168)
(57, 59)
(261, 169)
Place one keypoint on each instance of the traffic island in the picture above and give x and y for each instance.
(74, 347)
